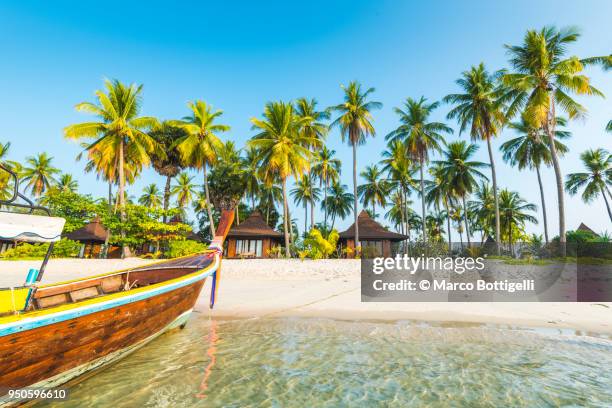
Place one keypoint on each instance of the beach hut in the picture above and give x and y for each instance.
(375, 240)
(253, 238)
(583, 227)
(92, 236)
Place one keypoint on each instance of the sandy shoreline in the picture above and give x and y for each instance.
(331, 289)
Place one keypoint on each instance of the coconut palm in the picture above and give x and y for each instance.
(482, 208)
(438, 194)
(327, 170)
(168, 164)
(66, 182)
(480, 108)
(542, 80)
(119, 129)
(269, 196)
(338, 202)
(461, 173)
(312, 120)
(252, 182)
(199, 147)
(355, 124)
(530, 150)
(514, 212)
(400, 168)
(151, 196)
(609, 127)
(184, 190)
(6, 181)
(39, 173)
(306, 193)
(282, 149)
(435, 225)
(596, 180)
(375, 190)
(420, 136)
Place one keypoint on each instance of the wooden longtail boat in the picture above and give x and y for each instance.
(52, 334)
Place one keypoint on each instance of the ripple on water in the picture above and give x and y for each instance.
(318, 362)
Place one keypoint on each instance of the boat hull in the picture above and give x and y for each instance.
(54, 354)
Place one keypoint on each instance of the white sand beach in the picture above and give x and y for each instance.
(331, 289)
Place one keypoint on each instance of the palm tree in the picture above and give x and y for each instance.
(184, 190)
(327, 170)
(461, 173)
(482, 208)
(355, 124)
(480, 108)
(338, 202)
(305, 193)
(609, 127)
(312, 125)
(282, 149)
(252, 182)
(199, 147)
(269, 196)
(439, 193)
(169, 164)
(67, 182)
(151, 196)
(39, 173)
(530, 150)
(542, 80)
(375, 190)
(595, 180)
(400, 168)
(420, 137)
(514, 210)
(118, 131)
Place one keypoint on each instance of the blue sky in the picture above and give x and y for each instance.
(239, 55)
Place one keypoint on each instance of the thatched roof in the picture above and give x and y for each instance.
(584, 228)
(91, 232)
(253, 227)
(370, 229)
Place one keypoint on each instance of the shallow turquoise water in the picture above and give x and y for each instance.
(316, 362)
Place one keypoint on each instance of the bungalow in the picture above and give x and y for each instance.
(374, 239)
(253, 238)
(92, 236)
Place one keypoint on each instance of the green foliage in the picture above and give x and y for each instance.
(142, 224)
(77, 209)
(183, 248)
(64, 248)
(317, 247)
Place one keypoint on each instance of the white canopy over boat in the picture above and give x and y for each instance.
(30, 228)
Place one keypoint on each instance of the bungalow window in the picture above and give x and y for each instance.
(372, 248)
(252, 247)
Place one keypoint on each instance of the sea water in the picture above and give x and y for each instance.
(330, 363)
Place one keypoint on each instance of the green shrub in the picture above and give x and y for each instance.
(182, 248)
(64, 248)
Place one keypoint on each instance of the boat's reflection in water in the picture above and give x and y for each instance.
(210, 352)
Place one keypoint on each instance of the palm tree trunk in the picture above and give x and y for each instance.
(305, 217)
(448, 228)
(125, 250)
(374, 209)
(421, 161)
(166, 197)
(285, 213)
(550, 129)
(544, 218)
(325, 201)
(110, 197)
(603, 193)
(467, 225)
(494, 178)
(312, 205)
(355, 194)
(208, 204)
